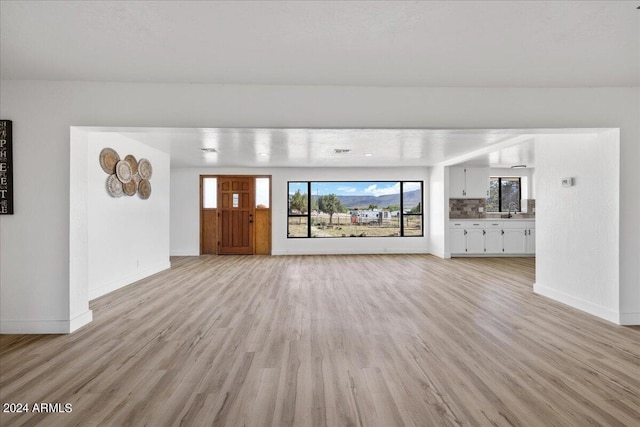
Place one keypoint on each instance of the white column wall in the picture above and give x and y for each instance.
(128, 238)
(438, 194)
(577, 227)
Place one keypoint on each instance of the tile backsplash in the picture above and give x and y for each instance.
(475, 208)
(466, 208)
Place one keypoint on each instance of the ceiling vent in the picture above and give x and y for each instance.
(209, 150)
(341, 150)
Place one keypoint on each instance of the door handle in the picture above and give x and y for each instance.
(250, 218)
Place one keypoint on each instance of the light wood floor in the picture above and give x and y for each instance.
(330, 340)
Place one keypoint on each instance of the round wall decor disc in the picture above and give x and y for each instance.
(108, 160)
(144, 169)
(144, 189)
(130, 188)
(114, 186)
(123, 171)
(132, 162)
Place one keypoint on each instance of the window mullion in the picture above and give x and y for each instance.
(308, 209)
(500, 195)
(401, 216)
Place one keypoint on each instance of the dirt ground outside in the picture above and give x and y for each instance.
(342, 226)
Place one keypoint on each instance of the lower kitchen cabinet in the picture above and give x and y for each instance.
(493, 237)
(515, 241)
(457, 241)
(475, 241)
(493, 241)
(531, 241)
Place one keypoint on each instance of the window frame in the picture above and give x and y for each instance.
(499, 178)
(306, 215)
(401, 213)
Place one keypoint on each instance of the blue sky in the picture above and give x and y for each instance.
(351, 188)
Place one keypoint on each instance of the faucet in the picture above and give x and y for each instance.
(511, 205)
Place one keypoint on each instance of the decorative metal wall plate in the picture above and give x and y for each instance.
(132, 162)
(144, 169)
(108, 160)
(144, 189)
(114, 186)
(130, 188)
(123, 171)
(126, 176)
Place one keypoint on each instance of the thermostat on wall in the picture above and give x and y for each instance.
(567, 182)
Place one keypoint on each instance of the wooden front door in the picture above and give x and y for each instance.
(235, 209)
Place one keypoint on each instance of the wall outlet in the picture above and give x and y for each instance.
(480, 209)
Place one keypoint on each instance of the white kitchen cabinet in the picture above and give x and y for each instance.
(456, 183)
(493, 241)
(477, 183)
(468, 183)
(457, 241)
(475, 241)
(531, 241)
(491, 237)
(515, 240)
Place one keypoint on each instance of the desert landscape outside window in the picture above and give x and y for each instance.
(327, 209)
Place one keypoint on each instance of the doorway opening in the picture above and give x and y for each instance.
(235, 214)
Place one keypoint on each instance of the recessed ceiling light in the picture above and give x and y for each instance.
(263, 154)
(368, 154)
(209, 150)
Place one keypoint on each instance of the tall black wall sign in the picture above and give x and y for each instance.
(6, 168)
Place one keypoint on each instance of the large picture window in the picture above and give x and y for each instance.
(504, 194)
(355, 209)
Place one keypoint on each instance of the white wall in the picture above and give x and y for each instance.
(128, 238)
(185, 205)
(577, 228)
(34, 257)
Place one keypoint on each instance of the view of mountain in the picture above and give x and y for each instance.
(411, 199)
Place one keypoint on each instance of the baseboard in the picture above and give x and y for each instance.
(34, 327)
(121, 282)
(186, 252)
(440, 254)
(630, 319)
(386, 251)
(580, 304)
(492, 256)
(80, 320)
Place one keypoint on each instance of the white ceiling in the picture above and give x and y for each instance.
(316, 147)
(379, 43)
(286, 147)
(522, 153)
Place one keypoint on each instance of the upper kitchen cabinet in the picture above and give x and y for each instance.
(468, 183)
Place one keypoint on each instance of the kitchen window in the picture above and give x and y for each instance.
(504, 194)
